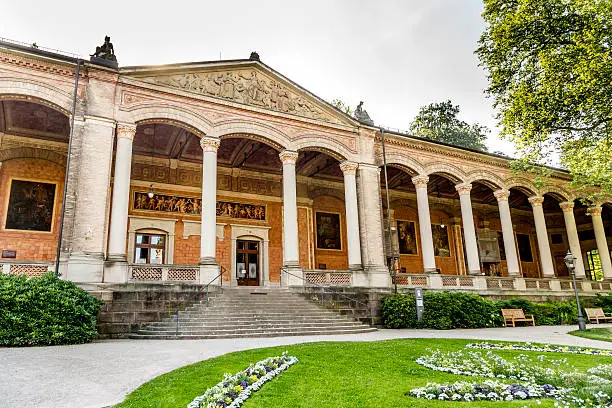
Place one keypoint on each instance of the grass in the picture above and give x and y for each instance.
(339, 375)
(601, 333)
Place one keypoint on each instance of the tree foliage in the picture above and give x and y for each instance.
(438, 121)
(549, 65)
(340, 104)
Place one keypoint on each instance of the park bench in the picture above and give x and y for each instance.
(597, 314)
(511, 316)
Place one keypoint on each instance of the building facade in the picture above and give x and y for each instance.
(180, 172)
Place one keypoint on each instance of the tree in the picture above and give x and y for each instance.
(438, 121)
(549, 66)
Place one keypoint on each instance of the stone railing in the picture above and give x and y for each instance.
(163, 273)
(328, 277)
(30, 269)
(497, 284)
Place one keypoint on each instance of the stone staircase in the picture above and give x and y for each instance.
(252, 312)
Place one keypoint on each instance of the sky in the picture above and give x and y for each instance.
(395, 55)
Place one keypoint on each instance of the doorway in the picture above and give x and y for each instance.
(247, 262)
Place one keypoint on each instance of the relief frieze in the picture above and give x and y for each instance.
(247, 87)
(193, 206)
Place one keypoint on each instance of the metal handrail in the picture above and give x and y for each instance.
(323, 287)
(219, 275)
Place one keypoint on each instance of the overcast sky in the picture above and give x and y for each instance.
(395, 55)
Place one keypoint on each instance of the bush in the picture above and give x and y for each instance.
(603, 301)
(443, 310)
(45, 311)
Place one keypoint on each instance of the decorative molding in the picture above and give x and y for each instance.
(536, 201)
(595, 211)
(420, 181)
(126, 130)
(464, 188)
(501, 195)
(567, 206)
(248, 87)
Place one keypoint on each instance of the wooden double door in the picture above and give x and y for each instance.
(247, 262)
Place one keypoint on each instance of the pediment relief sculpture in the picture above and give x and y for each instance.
(247, 87)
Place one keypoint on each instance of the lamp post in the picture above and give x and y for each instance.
(570, 262)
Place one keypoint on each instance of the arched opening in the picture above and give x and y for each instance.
(524, 231)
(33, 149)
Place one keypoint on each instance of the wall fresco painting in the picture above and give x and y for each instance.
(440, 240)
(407, 237)
(328, 231)
(30, 206)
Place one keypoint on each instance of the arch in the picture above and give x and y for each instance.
(260, 131)
(155, 111)
(33, 153)
(522, 184)
(489, 179)
(409, 164)
(322, 143)
(34, 91)
(558, 193)
(452, 172)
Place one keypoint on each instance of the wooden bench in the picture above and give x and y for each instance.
(511, 316)
(597, 314)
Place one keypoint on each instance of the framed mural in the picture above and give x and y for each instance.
(406, 232)
(440, 240)
(30, 206)
(328, 231)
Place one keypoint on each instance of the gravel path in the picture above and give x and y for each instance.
(101, 374)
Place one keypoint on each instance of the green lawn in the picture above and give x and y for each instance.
(339, 375)
(602, 333)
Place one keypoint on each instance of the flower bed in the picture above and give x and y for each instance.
(547, 348)
(488, 390)
(235, 389)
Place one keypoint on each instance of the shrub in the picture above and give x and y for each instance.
(443, 310)
(45, 311)
(545, 313)
(603, 301)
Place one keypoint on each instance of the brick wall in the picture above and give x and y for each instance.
(30, 245)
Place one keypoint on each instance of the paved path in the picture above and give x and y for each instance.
(101, 374)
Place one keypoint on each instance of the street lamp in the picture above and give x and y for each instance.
(570, 262)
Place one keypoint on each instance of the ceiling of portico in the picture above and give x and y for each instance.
(33, 120)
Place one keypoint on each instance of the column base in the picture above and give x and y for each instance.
(378, 276)
(209, 274)
(292, 275)
(116, 258)
(115, 271)
(431, 271)
(208, 260)
(475, 272)
(82, 267)
(356, 267)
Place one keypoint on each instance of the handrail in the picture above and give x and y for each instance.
(219, 275)
(323, 287)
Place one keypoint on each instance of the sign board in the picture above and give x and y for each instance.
(418, 295)
(8, 253)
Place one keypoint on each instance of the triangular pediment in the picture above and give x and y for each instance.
(243, 82)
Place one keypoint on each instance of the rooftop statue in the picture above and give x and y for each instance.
(105, 54)
(254, 56)
(362, 115)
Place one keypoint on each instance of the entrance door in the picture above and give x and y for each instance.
(247, 263)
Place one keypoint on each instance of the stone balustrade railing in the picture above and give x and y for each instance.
(28, 268)
(328, 277)
(490, 283)
(163, 273)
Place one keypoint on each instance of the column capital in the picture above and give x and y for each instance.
(501, 195)
(209, 144)
(567, 206)
(126, 130)
(595, 211)
(536, 201)
(463, 188)
(348, 167)
(420, 180)
(288, 156)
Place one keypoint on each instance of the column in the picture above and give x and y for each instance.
(89, 235)
(427, 248)
(602, 242)
(208, 232)
(469, 232)
(121, 193)
(548, 270)
(352, 216)
(507, 232)
(572, 236)
(291, 255)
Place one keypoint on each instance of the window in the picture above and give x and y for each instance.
(524, 247)
(150, 249)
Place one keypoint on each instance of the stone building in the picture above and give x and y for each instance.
(178, 172)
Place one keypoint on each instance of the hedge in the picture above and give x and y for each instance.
(453, 310)
(45, 311)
